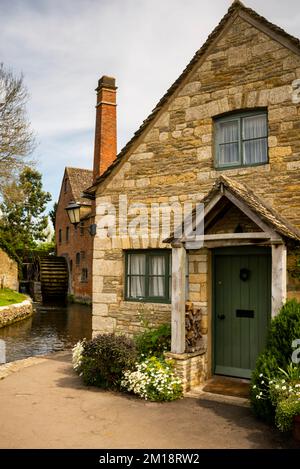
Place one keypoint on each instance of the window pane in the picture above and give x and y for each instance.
(256, 151)
(136, 287)
(228, 153)
(157, 265)
(136, 264)
(254, 127)
(157, 286)
(157, 269)
(228, 132)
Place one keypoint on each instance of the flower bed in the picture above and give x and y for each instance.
(284, 393)
(116, 362)
(153, 379)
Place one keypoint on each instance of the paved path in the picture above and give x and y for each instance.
(46, 406)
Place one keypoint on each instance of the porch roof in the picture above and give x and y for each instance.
(256, 205)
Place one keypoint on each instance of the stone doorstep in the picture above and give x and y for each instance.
(198, 393)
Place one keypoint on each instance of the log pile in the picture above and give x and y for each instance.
(193, 334)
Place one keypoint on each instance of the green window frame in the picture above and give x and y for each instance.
(247, 146)
(146, 278)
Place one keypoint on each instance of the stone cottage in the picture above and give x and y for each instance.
(225, 134)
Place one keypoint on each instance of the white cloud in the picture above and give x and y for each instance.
(63, 47)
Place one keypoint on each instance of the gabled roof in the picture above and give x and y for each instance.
(237, 8)
(79, 179)
(257, 206)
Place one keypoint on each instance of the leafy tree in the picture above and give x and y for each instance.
(16, 137)
(23, 222)
(52, 214)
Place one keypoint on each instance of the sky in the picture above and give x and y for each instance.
(64, 46)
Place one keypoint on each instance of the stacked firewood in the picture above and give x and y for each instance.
(192, 328)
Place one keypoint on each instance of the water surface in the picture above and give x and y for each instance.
(50, 329)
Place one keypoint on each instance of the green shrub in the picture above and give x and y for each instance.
(266, 369)
(102, 360)
(153, 379)
(283, 393)
(283, 330)
(286, 410)
(154, 342)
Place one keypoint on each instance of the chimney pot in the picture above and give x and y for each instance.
(106, 82)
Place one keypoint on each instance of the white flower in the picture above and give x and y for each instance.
(261, 375)
(283, 388)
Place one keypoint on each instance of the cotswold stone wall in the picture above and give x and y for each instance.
(14, 313)
(8, 272)
(174, 160)
(192, 368)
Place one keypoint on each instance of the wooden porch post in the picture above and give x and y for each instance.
(279, 277)
(178, 299)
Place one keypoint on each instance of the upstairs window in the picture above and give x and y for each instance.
(77, 258)
(67, 234)
(84, 275)
(59, 236)
(82, 228)
(241, 139)
(148, 276)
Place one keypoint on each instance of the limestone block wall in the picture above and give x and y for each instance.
(110, 310)
(191, 368)
(8, 272)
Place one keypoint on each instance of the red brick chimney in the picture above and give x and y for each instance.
(106, 126)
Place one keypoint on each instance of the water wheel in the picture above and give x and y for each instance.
(54, 279)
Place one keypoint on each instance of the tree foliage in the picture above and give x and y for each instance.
(52, 214)
(16, 137)
(23, 222)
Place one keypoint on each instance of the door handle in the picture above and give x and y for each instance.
(221, 316)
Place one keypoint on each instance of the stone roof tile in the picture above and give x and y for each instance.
(80, 179)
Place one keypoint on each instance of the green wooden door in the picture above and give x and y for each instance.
(242, 308)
